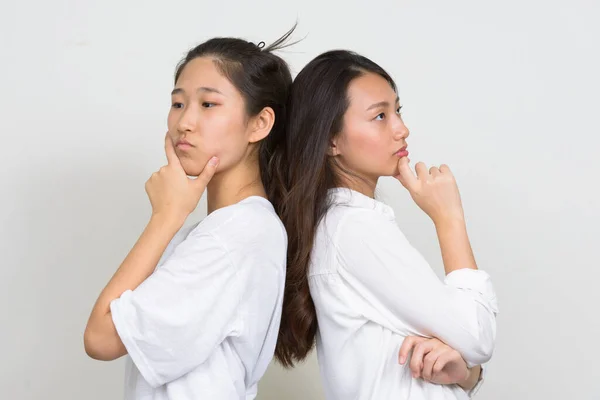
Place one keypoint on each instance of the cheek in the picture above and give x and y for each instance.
(369, 152)
(223, 137)
(367, 147)
(171, 121)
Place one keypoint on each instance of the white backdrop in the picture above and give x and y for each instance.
(504, 92)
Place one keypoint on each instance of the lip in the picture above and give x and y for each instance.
(183, 144)
(402, 152)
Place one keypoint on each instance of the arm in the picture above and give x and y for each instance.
(173, 197)
(101, 339)
(174, 320)
(403, 293)
(454, 244)
(436, 193)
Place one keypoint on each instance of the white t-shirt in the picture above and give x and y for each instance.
(372, 289)
(205, 323)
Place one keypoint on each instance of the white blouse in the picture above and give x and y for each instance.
(372, 289)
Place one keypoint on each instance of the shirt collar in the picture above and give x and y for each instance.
(351, 198)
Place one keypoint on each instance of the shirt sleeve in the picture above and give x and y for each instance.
(174, 320)
(398, 289)
(479, 383)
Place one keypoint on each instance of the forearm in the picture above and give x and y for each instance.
(472, 378)
(455, 245)
(101, 339)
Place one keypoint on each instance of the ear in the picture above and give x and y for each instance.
(333, 149)
(262, 125)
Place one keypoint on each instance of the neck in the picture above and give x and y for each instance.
(234, 185)
(362, 185)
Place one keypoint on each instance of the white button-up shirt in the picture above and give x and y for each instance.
(372, 289)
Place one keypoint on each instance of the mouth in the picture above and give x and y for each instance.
(183, 144)
(402, 152)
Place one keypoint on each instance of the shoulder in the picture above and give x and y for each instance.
(250, 232)
(252, 217)
(347, 224)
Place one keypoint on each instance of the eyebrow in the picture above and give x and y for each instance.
(382, 104)
(200, 89)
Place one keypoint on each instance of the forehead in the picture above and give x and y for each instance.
(369, 89)
(202, 72)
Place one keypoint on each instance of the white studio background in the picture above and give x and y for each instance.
(506, 93)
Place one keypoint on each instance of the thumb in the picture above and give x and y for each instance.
(207, 173)
(406, 176)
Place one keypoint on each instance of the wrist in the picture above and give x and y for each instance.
(465, 382)
(450, 221)
(471, 379)
(168, 220)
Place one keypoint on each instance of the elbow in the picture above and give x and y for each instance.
(479, 353)
(96, 346)
(89, 344)
(481, 347)
(92, 346)
(482, 340)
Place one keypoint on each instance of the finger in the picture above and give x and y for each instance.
(428, 363)
(434, 171)
(441, 363)
(407, 346)
(440, 373)
(406, 176)
(416, 360)
(172, 158)
(444, 169)
(422, 173)
(207, 173)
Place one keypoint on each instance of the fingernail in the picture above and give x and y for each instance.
(402, 359)
(214, 161)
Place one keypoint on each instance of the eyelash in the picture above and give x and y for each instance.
(383, 114)
(205, 104)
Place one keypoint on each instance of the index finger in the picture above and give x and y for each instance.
(406, 176)
(172, 158)
(407, 346)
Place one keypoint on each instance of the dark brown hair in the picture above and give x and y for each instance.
(263, 79)
(302, 174)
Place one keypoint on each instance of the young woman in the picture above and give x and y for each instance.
(353, 280)
(204, 323)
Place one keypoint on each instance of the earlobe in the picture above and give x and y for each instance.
(332, 150)
(263, 123)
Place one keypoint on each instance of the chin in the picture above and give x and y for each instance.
(392, 171)
(191, 169)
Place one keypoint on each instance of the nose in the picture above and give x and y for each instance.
(188, 120)
(400, 129)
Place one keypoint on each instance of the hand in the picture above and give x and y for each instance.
(435, 191)
(434, 361)
(170, 190)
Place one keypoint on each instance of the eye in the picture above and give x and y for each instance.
(207, 104)
(399, 110)
(380, 117)
(177, 105)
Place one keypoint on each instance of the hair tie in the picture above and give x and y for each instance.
(260, 45)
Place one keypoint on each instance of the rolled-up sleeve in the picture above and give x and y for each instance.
(175, 319)
(405, 295)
